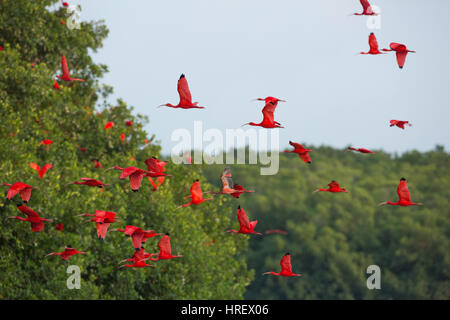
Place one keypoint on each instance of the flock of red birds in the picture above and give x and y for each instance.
(156, 176)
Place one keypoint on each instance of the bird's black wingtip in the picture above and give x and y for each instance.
(403, 179)
(135, 190)
(401, 67)
(182, 76)
(287, 254)
(167, 234)
(137, 249)
(239, 207)
(309, 162)
(196, 180)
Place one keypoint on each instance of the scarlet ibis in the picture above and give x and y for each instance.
(67, 253)
(245, 226)
(268, 121)
(1, 48)
(138, 235)
(362, 150)
(400, 123)
(404, 197)
(19, 187)
(122, 137)
(302, 152)
(63, 22)
(367, 9)
(59, 226)
(400, 51)
(134, 174)
(333, 187)
(103, 219)
(157, 168)
(56, 85)
(373, 44)
(185, 96)
(37, 223)
(165, 251)
(128, 123)
(43, 170)
(65, 71)
(46, 142)
(65, 4)
(97, 164)
(138, 259)
(196, 195)
(286, 268)
(90, 182)
(109, 125)
(227, 185)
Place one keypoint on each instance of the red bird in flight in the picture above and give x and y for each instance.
(138, 259)
(165, 251)
(65, 71)
(333, 187)
(37, 223)
(157, 168)
(362, 150)
(268, 121)
(301, 151)
(19, 188)
(90, 182)
(373, 44)
(245, 226)
(227, 185)
(67, 253)
(43, 170)
(185, 96)
(367, 9)
(103, 219)
(400, 51)
(138, 235)
(404, 197)
(286, 268)
(196, 195)
(399, 123)
(134, 174)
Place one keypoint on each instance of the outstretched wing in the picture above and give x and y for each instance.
(164, 246)
(373, 43)
(401, 58)
(28, 211)
(227, 181)
(183, 91)
(397, 46)
(152, 164)
(333, 185)
(64, 66)
(44, 169)
(136, 180)
(403, 191)
(305, 157)
(285, 263)
(268, 111)
(296, 145)
(35, 167)
(243, 219)
(366, 6)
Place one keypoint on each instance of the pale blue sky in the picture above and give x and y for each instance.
(303, 51)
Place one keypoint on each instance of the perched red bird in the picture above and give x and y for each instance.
(109, 125)
(286, 268)
(19, 188)
(185, 96)
(404, 197)
(157, 168)
(55, 85)
(400, 123)
(302, 152)
(67, 253)
(138, 259)
(90, 182)
(245, 226)
(103, 219)
(362, 150)
(59, 227)
(367, 9)
(400, 51)
(128, 123)
(65, 71)
(333, 187)
(43, 170)
(268, 122)
(122, 138)
(227, 185)
(138, 235)
(46, 142)
(134, 174)
(165, 251)
(97, 164)
(373, 44)
(196, 195)
(37, 223)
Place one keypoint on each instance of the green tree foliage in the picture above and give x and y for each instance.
(333, 238)
(33, 39)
